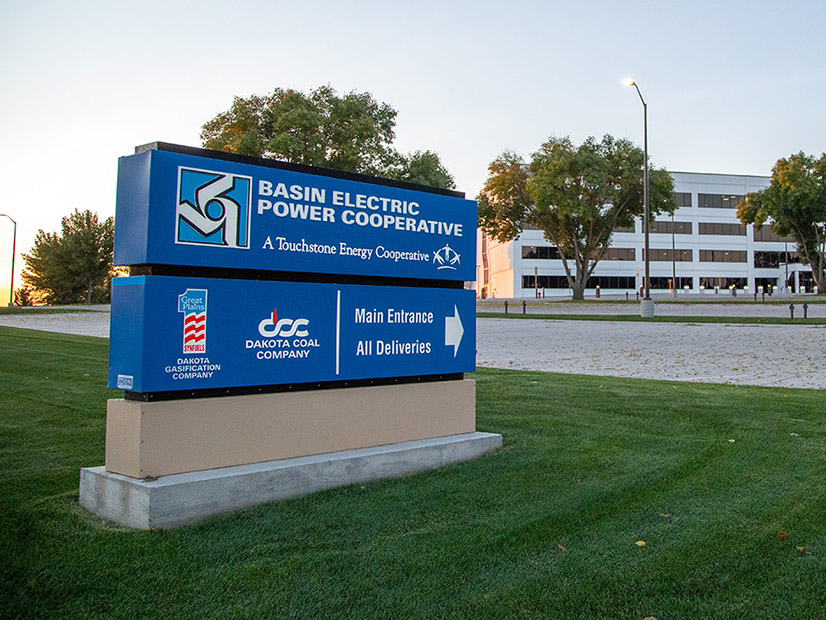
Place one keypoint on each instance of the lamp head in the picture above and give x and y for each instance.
(628, 82)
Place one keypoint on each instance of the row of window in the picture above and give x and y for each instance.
(771, 260)
(710, 201)
(704, 228)
(762, 259)
(719, 201)
(658, 283)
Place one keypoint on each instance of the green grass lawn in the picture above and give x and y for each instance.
(544, 528)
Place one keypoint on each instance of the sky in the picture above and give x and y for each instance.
(731, 86)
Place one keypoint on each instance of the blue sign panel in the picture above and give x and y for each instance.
(175, 333)
(181, 209)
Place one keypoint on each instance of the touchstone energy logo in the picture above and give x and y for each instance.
(446, 258)
(213, 208)
(193, 305)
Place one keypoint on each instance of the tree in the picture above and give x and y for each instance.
(74, 266)
(577, 195)
(794, 204)
(352, 133)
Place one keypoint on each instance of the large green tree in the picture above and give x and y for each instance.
(72, 266)
(353, 133)
(577, 195)
(794, 204)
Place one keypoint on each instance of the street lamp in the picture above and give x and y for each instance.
(647, 304)
(13, 250)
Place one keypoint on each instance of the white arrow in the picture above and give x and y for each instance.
(453, 330)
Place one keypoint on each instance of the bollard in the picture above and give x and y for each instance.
(755, 295)
(805, 311)
(764, 295)
(626, 295)
(524, 305)
(791, 311)
(506, 306)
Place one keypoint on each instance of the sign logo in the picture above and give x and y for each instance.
(125, 382)
(446, 258)
(213, 208)
(193, 304)
(273, 327)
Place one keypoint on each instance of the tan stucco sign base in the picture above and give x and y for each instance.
(171, 437)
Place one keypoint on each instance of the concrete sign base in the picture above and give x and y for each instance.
(179, 499)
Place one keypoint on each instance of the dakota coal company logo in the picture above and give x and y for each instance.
(213, 209)
(446, 258)
(282, 339)
(273, 327)
(193, 305)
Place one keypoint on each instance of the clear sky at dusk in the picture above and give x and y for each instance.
(731, 86)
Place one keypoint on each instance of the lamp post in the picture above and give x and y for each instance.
(647, 304)
(13, 250)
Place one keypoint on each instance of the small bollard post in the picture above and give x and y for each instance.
(755, 295)
(791, 311)
(626, 295)
(506, 306)
(805, 311)
(524, 305)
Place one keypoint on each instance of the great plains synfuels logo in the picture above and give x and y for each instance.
(273, 327)
(193, 305)
(213, 209)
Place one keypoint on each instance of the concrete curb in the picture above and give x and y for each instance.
(179, 499)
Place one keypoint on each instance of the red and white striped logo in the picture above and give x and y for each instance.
(193, 305)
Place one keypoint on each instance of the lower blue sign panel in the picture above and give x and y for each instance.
(174, 333)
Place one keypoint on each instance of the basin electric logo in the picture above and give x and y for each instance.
(193, 304)
(446, 258)
(213, 208)
(272, 327)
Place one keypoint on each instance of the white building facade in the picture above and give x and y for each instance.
(703, 248)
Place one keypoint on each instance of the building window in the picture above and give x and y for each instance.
(541, 252)
(723, 256)
(771, 260)
(669, 255)
(710, 282)
(619, 254)
(624, 229)
(668, 227)
(616, 282)
(603, 282)
(665, 283)
(766, 283)
(719, 228)
(766, 234)
(683, 199)
(719, 201)
(545, 282)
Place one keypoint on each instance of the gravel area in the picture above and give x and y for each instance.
(95, 323)
(767, 355)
